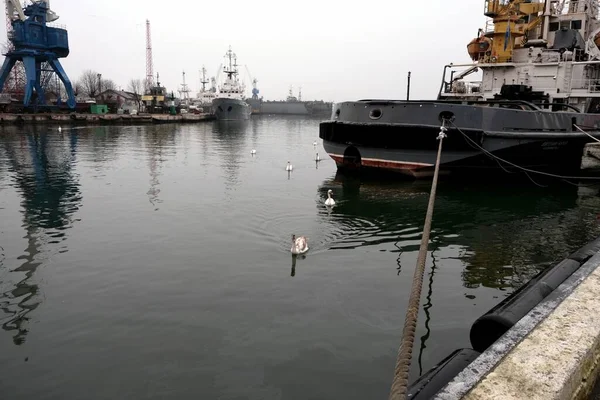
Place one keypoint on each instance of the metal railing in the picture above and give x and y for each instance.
(463, 87)
(57, 26)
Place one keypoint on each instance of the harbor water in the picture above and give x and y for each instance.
(153, 262)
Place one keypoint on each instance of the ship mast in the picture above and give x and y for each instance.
(184, 89)
(232, 64)
(203, 80)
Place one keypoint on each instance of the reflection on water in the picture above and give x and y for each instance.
(182, 254)
(506, 233)
(159, 142)
(50, 196)
(295, 258)
(230, 136)
(500, 236)
(427, 307)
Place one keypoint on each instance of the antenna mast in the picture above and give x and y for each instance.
(149, 63)
(203, 80)
(185, 92)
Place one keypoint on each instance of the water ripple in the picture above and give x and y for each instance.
(42, 173)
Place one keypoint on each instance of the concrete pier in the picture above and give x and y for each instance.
(551, 353)
(100, 119)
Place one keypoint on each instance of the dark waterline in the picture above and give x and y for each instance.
(153, 262)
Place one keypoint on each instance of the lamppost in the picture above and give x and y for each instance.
(99, 83)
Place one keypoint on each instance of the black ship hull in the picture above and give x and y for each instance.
(396, 136)
(226, 109)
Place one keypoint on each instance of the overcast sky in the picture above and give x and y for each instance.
(336, 50)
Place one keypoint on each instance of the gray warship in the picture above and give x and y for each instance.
(292, 105)
(229, 103)
(534, 106)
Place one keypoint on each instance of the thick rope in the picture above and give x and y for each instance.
(584, 132)
(401, 374)
(563, 177)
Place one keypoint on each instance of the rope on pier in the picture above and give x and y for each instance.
(401, 374)
(584, 132)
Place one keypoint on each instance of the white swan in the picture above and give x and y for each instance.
(289, 167)
(317, 158)
(315, 143)
(60, 129)
(329, 201)
(253, 152)
(299, 245)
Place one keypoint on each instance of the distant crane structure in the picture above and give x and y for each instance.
(149, 61)
(255, 90)
(34, 43)
(15, 82)
(254, 81)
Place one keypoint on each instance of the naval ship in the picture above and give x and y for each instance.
(292, 105)
(534, 104)
(229, 103)
(204, 98)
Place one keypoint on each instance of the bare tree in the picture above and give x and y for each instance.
(91, 84)
(88, 84)
(77, 89)
(107, 84)
(136, 86)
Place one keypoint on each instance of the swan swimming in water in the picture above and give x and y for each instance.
(60, 129)
(253, 152)
(315, 144)
(329, 201)
(299, 245)
(289, 167)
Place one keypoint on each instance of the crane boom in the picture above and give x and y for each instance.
(14, 6)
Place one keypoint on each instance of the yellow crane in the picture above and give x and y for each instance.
(513, 21)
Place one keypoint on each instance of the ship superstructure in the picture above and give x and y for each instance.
(543, 51)
(535, 107)
(205, 96)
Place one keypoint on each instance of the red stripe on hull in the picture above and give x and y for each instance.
(398, 166)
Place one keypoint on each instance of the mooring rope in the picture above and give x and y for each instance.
(493, 156)
(584, 132)
(401, 374)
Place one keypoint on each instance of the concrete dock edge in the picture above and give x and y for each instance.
(551, 353)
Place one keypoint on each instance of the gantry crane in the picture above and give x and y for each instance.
(35, 43)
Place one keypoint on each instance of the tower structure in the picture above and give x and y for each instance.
(34, 44)
(184, 91)
(149, 62)
(15, 82)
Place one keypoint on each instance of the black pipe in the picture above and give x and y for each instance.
(443, 82)
(440, 375)
(408, 88)
(493, 324)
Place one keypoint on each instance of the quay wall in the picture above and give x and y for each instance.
(551, 353)
(100, 119)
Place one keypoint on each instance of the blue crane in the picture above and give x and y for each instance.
(35, 43)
